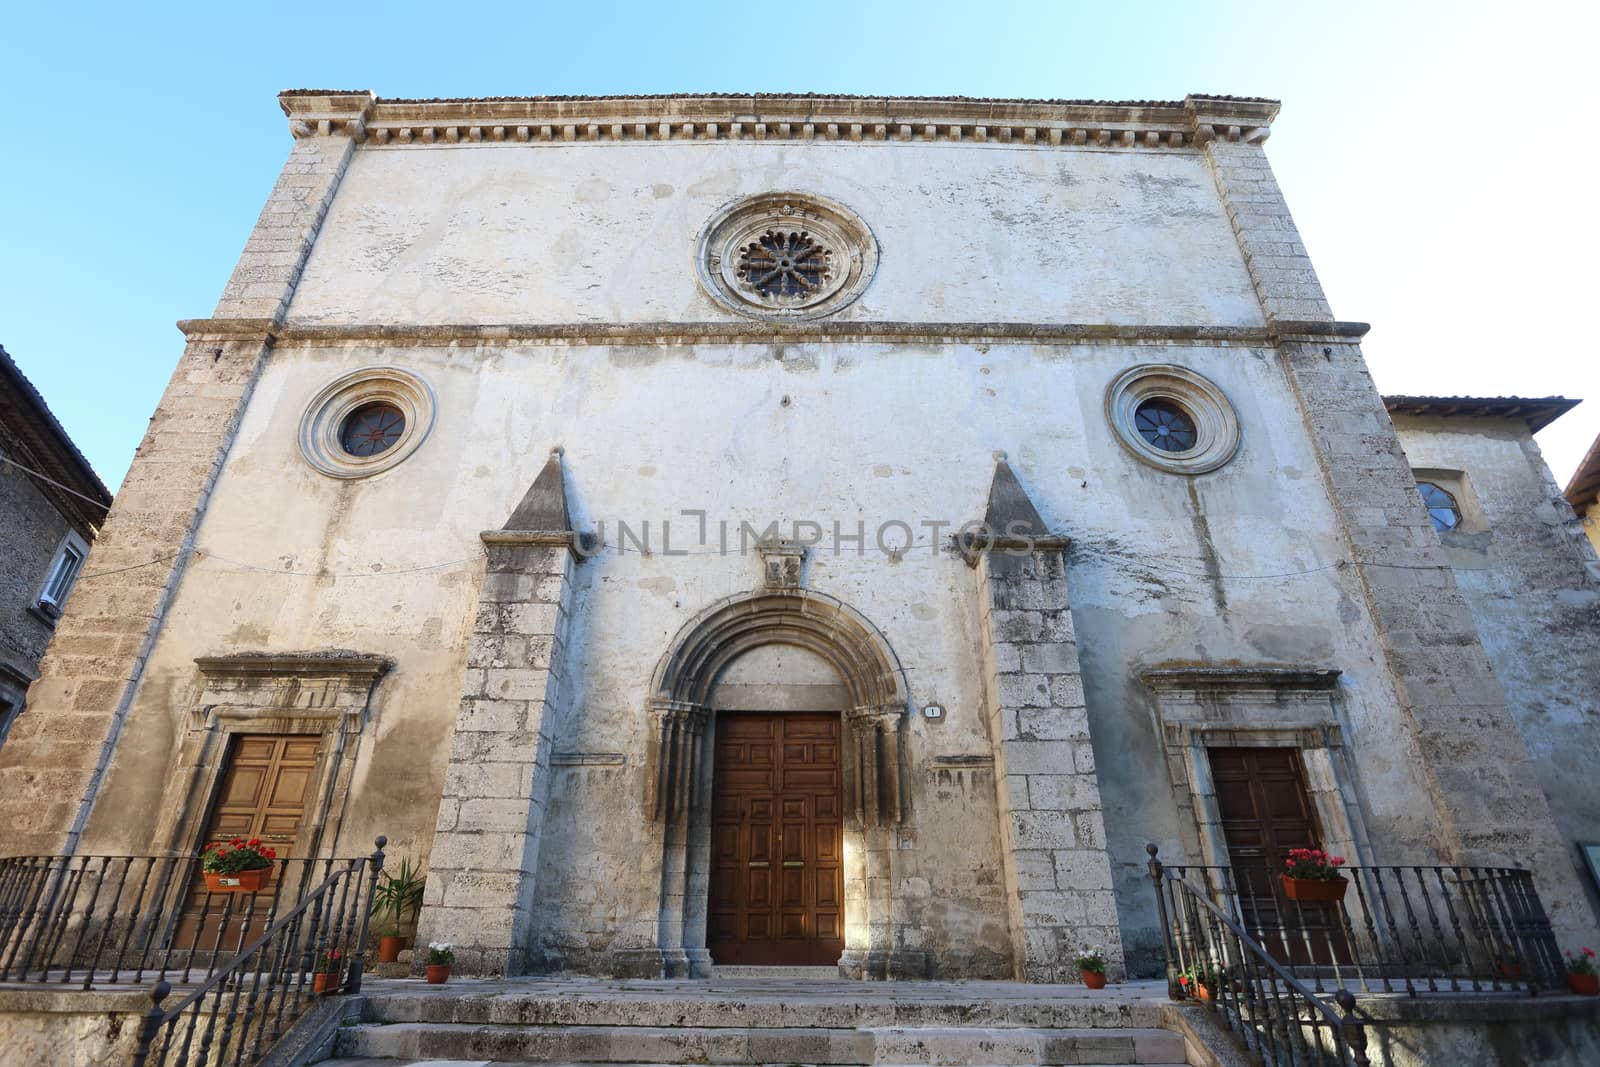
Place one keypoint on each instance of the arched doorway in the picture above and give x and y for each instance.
(805, 673)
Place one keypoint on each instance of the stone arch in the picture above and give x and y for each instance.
(678, 772)
(707, 644)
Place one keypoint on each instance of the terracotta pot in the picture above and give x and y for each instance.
(325, 983)
(389, 946)
(1314, 890)
(241, 882)
(1202, 993)
(438, 973)
(1585, 985)
(1510, 970)
(1094, 979)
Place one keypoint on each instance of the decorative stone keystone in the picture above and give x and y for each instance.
(491, 814)
(1058, 876)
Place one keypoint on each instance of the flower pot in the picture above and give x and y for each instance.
(1202, 993)
(1094, 979)
(324, 983)
(238, 882)
(438, 973)
(1314, 890)
(1510, 970)
(1585, 985)
(389, 946)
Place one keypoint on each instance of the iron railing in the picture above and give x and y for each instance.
(235, 1017)
(1417, 929)
(132, 919)
(1281, 1021)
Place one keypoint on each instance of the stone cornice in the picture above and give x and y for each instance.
(742, 332)
(776, 117)
(299, 664)
(1235, 679)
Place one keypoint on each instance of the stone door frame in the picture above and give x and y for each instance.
(678, 767)
(273, 693)
(1274, 707)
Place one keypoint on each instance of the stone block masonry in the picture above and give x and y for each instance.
(485, 858)
(56, 755)
(1488, 808)
(1052, 823)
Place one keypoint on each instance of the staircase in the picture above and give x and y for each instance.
(787, 1020)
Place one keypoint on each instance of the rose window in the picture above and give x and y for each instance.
(784, 265)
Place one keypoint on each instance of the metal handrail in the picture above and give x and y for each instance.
(1251, 987)
(256, 996)
(1421, 928)
(116, 919)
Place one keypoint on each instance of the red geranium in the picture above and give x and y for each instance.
(1313, 864)
(242, 856)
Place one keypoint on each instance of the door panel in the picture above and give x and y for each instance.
(1266, 812)
(777, 883)
(263, 794)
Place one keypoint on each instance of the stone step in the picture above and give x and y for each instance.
(795, 1003)
(724, 971)
(931, 1046)
(369, 1061)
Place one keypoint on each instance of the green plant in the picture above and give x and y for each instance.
(441, 954)
(231, 857)
(398, 895)
(1198, 975)
(1093, 961)
(1584, 964)
(329, 961)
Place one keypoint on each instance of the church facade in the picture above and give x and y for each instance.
(790, 530)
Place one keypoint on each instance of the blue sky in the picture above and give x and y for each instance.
(1432, 153)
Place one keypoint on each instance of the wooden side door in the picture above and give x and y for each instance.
(264, 791)
(777, 860)
(1266, 811)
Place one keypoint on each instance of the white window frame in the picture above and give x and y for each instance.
(59, 578)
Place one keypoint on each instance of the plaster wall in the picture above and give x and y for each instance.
(1528, 575)
(1235, 566)
(605, 233)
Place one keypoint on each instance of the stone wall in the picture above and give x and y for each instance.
(32, 532)
(51, 1028)
(1532, 584)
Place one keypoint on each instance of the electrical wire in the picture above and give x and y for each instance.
(102, 505)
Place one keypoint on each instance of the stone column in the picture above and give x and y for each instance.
(1052, 828)
(56, 754)
(1487, 804)
(485, 859)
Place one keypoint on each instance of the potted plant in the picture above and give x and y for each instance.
(1198, 982)
(1092, 968)
(441, 954)
(1581, 974)
(399, 894)
(1313, 877)
(1509, 963)
(238, 865)
(325, 975)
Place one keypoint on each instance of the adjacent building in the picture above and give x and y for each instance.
(1583, 493)
(51, 507)
(799, 529)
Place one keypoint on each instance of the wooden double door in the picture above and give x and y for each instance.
(265, 788)
(777, 837)
(1266, 811)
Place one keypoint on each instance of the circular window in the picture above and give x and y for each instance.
(372, 428)
(366, 422)
(1172, 418)
(785, 256)
(1164, 425)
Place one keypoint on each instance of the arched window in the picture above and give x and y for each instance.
(1442, 507)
